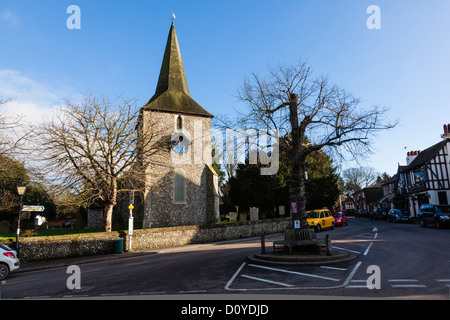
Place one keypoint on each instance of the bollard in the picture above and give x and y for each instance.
(263, 244)
(329, 251)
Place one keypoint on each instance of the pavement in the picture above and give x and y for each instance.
(65, 262)
(269, 258)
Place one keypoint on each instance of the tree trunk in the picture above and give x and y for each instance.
(108, 217)
(297, 191)
(110, 205)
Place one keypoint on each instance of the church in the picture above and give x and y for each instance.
(181, 186)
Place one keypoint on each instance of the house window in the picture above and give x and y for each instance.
(442, 195)
(179, 187)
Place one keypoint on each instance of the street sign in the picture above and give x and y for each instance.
(294, 207)
(28, 208)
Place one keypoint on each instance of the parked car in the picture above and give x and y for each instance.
(320, 219)
(439, 215)
(68, 224)
(340, 219)
(378, 213)
(8, 261)
(398, 215)
(362, 214)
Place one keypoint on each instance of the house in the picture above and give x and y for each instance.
(349, 205)
(366, 199)
(425, 178)
(389, 193)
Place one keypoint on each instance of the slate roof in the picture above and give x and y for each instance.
(172, 92)
(427, 154)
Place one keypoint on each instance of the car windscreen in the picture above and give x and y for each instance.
(443, 209)
(312, 215)
(5, 247)
(336, 215)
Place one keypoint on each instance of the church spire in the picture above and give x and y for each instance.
(172, 76)
(172, 92)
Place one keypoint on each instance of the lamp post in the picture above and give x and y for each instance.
(20, 191)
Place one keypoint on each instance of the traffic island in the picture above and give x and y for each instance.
(301, 247)
(287, 258)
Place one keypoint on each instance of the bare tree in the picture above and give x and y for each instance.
(356, 179)
(13, 133)
(93, 149)
(314, 115)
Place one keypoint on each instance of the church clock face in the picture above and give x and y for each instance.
(180, 144)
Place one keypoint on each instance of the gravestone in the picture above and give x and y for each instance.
(232, 217)
(254, 214)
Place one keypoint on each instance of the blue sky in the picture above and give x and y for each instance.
(118, 50)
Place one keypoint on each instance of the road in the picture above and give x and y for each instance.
(399, 260)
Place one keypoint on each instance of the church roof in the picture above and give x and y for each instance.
(172, 92)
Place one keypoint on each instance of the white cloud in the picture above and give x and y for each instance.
(30, 98)
(7, 18)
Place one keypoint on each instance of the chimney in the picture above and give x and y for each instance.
(446, 131)
(410, 156)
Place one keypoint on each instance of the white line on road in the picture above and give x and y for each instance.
(408, 286)
(367, 250)
(294, 272)
(357, 252)
(227, 287)
(193, 291)
(334, 268)
(265, 280)
(403, 280)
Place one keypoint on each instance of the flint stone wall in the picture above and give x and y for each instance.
(47, 248)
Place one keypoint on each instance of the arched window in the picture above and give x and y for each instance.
(179, 187)
(179, 123)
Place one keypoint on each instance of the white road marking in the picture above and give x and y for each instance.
(408, 286)
(294, 272)
(333, 268)
(227, 287)
(265, 280)
(367, 250)
(403, 280)
(357, 252)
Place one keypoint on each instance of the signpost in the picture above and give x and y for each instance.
(28, 208)
(130, 219)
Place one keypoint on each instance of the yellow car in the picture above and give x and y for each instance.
(320, 219)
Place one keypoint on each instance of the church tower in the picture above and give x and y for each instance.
(180, 184)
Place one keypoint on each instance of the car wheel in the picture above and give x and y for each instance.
(332, 226)
(318, 228)
(422, 222)
(4, 271)
(438, 224)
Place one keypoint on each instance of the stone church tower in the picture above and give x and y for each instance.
(180, 184)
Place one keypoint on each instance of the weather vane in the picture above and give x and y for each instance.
(173, 17)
